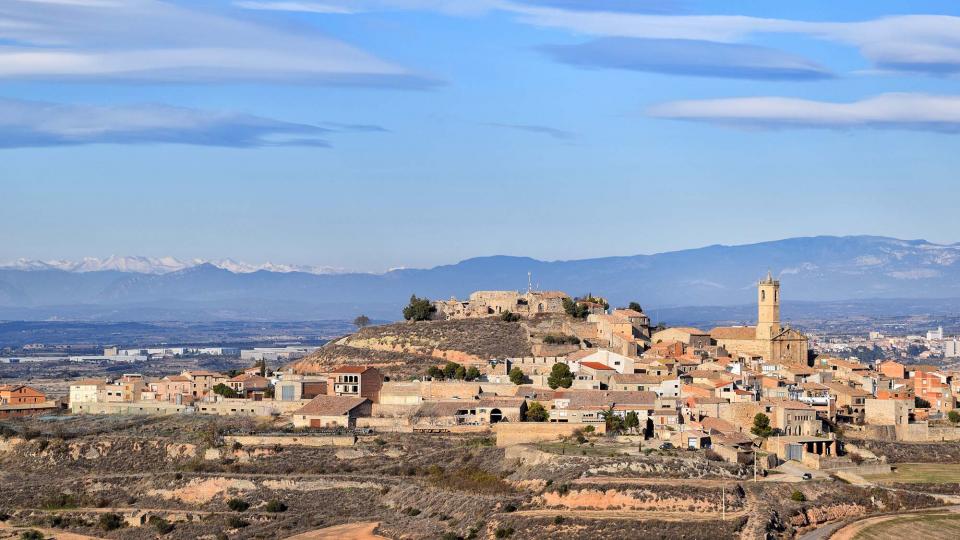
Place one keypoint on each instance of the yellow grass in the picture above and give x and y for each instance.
(926, 526)
(920, 473)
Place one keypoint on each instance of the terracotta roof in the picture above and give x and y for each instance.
(351, 369)
(685, 330)
(444, 408)
(501, 402)
(920, 367)
(602, 399)
(202, 373)
(706, 400)
(576, 355)
(636, 378)
(734, 332)
(250, 380)
(176, 378)
(596, 365)
(88, 382)
(330, 406)
(627, 313)
(848, 390)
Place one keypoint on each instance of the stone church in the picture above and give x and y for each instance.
(767, 340)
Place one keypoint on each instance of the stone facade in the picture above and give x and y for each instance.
(767, 340)
(495, 303)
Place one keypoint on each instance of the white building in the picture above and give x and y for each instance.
(951, 348)
(935, 335)
(291, 352)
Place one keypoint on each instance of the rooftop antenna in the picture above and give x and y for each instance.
(529, 282)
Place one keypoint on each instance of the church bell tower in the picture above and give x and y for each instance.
(768, 304)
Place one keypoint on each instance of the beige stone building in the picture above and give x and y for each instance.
(494, 303)
(768, 339)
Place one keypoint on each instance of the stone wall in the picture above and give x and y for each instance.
(286, 440)
(221, 408)
(511, 433)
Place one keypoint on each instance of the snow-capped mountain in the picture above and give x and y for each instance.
(158, 265)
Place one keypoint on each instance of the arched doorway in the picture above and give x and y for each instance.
(495, 416)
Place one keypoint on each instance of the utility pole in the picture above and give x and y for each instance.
(754, 465)
(723, 502)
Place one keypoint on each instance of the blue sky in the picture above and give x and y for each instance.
(369, 134)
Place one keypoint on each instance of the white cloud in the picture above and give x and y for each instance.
(922, 43)
(40, 124)
(915, 43)
(305, 7)
(886, 111)
(151, 40)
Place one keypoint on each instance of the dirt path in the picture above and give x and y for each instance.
(703, 482)
(350, 531)
(637, 515)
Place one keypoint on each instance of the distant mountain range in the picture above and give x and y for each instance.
(817, 269)
(158, 265)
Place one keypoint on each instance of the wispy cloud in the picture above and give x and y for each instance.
(152, 40)
(356, 128)
(39, 124)
(886, 111)
(304, 7)
(536, 129)
(450, 7)
(611, 6)
(688, 57)
(916, 43)
(906, 43)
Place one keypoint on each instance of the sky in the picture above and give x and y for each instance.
(374, 134)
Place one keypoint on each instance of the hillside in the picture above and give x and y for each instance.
(404, 349)
(823, 268)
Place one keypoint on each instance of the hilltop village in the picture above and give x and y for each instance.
(545, 373)
(590, 365)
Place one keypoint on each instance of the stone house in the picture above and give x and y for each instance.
(203, 381)
(495, 303)
(332, 412)
(359, 381)
(85, 391)
(595, 371)
(249, 385)
(20, 394)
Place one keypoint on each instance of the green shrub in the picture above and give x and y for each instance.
(506, 316)
(238, 505)
(798, 496)
(504, 532)
(32, 535)
(276, 506)
(111, 521)
(558, 520)
(419, 309)
(537, 412)
(161, 525)
(234, 522)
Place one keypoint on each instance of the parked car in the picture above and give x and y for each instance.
(666, 446)
(807, 476)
